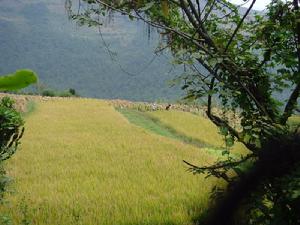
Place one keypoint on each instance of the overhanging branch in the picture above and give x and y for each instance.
(220, 165)
(239, 25)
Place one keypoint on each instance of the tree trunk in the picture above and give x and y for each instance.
(277, 158)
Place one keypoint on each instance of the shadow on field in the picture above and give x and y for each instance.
(152, 223)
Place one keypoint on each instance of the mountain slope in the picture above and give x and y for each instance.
(37, 34)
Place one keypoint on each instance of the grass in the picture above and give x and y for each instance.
(149, 123)
(153, 124)
(82, 162)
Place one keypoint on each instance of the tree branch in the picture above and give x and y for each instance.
(211, 86)
(221, 123)
(219, 165)
(227, 65)
(198, 26)
(194, 11)
(291, 104)
(209, 10)
(239, 25)
(199, 8)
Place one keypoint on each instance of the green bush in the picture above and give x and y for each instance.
(72, 92)
(64, 94)
(53, 93)
(11, 130)
(11, 122)
(49, 93)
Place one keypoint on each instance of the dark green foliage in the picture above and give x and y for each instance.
(52, 93)
(72, 92)
(11, 122)
(277, 202)
(49, 93)
(11, 131)
(68, 93)
(11, 128)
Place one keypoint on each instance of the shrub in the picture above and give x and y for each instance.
(11, 130)
(64, 94)
(72, 92)
(53, 93)
(11, 122)
(49, 93)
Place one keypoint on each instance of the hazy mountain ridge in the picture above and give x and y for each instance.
(38, 35)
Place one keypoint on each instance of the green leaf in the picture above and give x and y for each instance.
(225, 152)
(147, 6)
(229, 141)
(249, 127)
(257, 143)
(20, 79)
(223, 131)
(295, 194)
(198, 54)
(247, 138)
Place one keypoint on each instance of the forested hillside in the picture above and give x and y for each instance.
(37, 34)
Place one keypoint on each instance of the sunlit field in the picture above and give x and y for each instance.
(294, 121)
(82, 162)
(196, 127)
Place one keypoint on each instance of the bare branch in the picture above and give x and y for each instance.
(199, 8)
(239, 25)
(185, 8)
(209, 11)
(194, 11)
(198, 26)
(218, 166)
(291, 104)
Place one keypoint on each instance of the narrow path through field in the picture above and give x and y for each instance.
(155, 125)
(145, 120)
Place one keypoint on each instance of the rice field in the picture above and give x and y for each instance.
(82, 162)
(197, 127)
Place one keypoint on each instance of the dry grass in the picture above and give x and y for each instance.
(81, 162)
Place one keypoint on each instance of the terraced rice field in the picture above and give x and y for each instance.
(83, 162)
(196, 127)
